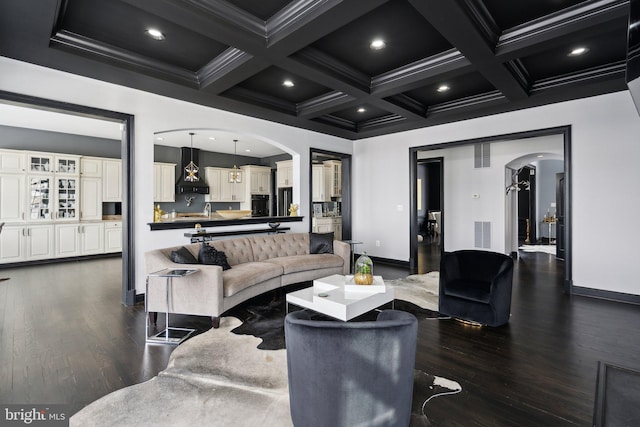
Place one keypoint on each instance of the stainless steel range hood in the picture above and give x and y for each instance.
(186, 187)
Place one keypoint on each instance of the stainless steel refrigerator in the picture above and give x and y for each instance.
(285, 198)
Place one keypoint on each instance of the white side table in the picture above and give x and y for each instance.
(170, 335)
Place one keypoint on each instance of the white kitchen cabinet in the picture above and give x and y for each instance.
(12, 161)
(112, 236)
(321, 183)
(111, 180)
(40, 163)
(212, 178)
(258, 179)
(67, 239)
(220, 189)
(90, 198)
(91, 238)
(66, 199)
(12, 197)
(284, 173)
(26, 243)
(335, 177)
(13, 244)
(91, 167)
(164, 182)
(52, 198)
(67, 165)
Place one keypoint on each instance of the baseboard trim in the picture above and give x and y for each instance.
(396, 262)
(607, 295)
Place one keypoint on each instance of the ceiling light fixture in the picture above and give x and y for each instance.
(234, 176)
(443, 88)
(191, 170)
(361, 110)
(578, 51)
(288, 83)
(377, 44)
(155, 34)
(212, 138)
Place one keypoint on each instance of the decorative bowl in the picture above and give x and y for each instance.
(233, 213)
(274, 225)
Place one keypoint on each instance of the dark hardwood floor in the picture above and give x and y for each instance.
(65, 338)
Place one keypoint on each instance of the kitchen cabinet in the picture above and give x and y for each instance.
(49, 163)
(111, 180)
(90, 198)
(12, 161)
(284, 173)
(12, 197)
(21, 243)
(91, 167)
(328, 225)
(112, 236)
(66, 199)
(220, 187)
(91, 238)
(321, 183)
(258, 179)
(335, 177)
(164, 182)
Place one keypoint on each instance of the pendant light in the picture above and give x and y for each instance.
(235, 175)
(191, 170)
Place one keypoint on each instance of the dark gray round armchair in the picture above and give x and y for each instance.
(351, 373)
(476, 286)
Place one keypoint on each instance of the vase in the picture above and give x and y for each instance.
(364, 270)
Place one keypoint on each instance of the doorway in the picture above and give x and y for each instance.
(471, 200)
(128, 171)
(429, 210)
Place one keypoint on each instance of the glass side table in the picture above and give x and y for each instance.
(170, 335)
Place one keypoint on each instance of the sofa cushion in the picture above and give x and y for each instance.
(296, 263)
(279, 245)
(238, 250)
(473, 290)
(321, 243)
(183, 256)
(245, 275)
(209, 255)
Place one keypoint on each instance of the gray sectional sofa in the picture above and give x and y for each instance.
(258, 264)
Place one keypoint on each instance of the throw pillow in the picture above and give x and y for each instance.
(209, 255)
(183, 256)
(321, 243)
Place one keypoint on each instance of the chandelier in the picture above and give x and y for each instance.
(191, 170)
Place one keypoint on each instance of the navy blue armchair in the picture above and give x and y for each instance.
(351, 373)
(476, 286)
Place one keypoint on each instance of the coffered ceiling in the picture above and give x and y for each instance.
(442, 61)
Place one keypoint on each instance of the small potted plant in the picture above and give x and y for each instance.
(364, 270)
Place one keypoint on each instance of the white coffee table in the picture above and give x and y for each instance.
(329, 296)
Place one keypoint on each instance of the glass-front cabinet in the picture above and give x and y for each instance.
(40, 198)
(66, 199)
(53, 163)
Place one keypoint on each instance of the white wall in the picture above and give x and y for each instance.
(156, 113)
(546, 171)
(606, 149)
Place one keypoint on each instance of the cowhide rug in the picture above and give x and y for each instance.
(220, 378)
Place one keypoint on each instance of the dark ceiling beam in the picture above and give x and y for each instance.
(534, 36)
(84, 46)
(323, 104)
(607, 74)
(471, 41)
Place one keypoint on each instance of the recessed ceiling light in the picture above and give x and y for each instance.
(159, 138)
(288, 83)
(377, 44)
(212, 138)
(247, 150)
(155, 34)
(443, 88)
(578, 51)
(540, 156)
(361, 110)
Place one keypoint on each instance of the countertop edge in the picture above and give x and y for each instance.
(156, 226)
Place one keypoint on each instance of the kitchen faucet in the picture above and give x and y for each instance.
(207, 209)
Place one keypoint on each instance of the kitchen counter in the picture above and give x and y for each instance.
(216, 221)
